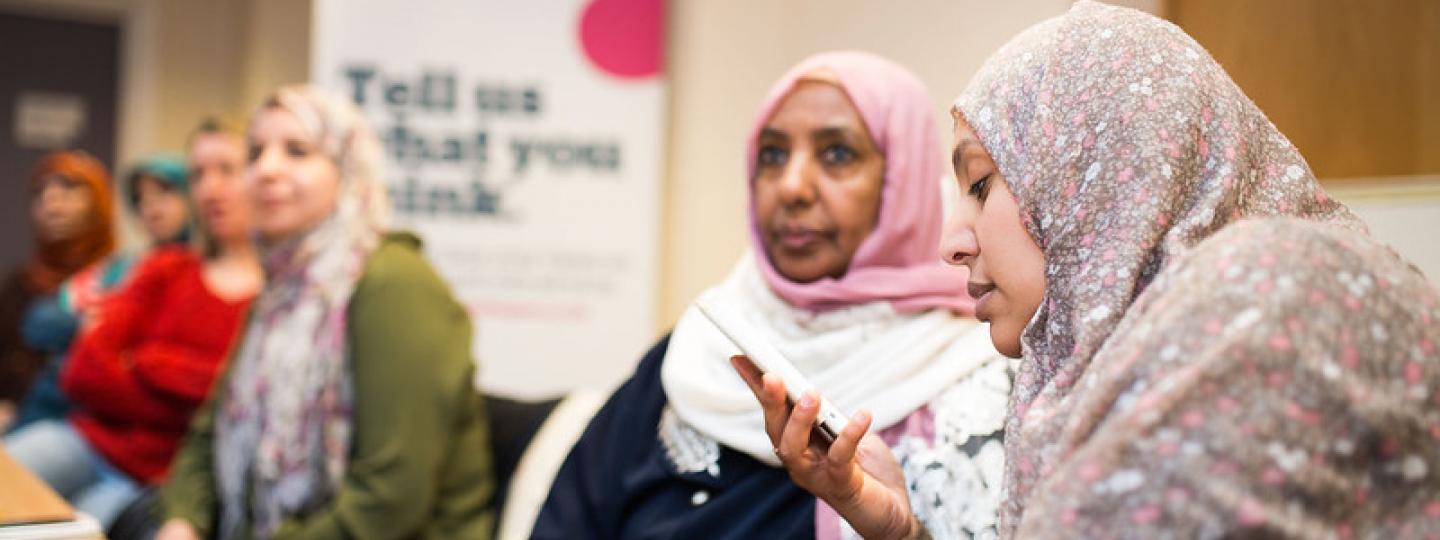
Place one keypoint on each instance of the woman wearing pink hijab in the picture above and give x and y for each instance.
(845, 208)
(1211, 346)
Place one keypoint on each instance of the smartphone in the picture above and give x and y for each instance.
(768, 359)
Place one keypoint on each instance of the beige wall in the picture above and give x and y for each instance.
(220, 57)
(277, 50)
(197, 49)
(723, 56)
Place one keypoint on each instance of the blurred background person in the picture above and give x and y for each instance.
(158, 190)
(348, 407)
(157, 344)
(72, 217)
(157, 194)
(843, 279)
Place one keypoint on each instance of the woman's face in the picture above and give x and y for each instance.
(61, 209)
(162, 210)
(984, 234)
(293, 183)
(818, 180)
(217, 184)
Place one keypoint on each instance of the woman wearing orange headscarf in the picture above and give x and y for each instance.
(72, 217)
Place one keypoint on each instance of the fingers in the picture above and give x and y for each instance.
(748, 372)
(842, 451)
(796, 437)
(770, 391)
(790, 429)
(776, 407)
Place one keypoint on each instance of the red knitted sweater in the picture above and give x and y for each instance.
(138, 375)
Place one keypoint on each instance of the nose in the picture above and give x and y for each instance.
(958, 243)
(268, 163)
(797, 182)
(202, 183)
(48, 192)
(50, 195)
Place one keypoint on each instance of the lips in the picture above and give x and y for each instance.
(213, 212)
(269, 201)
(798, 238)
(981, 293)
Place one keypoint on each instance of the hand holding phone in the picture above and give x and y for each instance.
(768, 359)
(845, 465)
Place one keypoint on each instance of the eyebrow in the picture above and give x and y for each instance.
(835, 132)
(957, 156)
(831, 132)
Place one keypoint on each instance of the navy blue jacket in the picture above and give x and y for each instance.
(618, 483)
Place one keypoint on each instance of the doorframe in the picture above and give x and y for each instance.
(136, 104)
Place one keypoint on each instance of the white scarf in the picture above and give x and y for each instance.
(865, 356)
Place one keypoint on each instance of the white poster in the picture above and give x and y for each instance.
(524, 146)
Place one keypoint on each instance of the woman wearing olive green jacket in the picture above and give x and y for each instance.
(348, 409)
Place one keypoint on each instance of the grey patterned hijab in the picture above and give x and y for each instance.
(1196, 302)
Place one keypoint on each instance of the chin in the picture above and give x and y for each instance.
(799, 276)
(274, 233)
(796, 269)
(809, 272)
(1005, 344)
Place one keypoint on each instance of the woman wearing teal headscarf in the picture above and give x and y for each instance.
(157, 192)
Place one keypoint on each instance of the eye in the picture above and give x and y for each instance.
(980, 188)
(837, 154)
(771, 155)
(297, 149)
(253, 153)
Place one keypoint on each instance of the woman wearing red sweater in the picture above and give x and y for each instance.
(139, 373)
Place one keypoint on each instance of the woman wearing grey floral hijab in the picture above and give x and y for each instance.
(1211, 345)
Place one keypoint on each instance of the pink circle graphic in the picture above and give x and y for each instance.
(625, 38)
